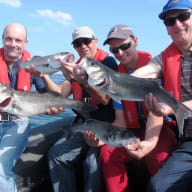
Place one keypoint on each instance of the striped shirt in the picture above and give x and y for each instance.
(186, 83)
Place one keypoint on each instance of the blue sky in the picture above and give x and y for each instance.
(50, 23)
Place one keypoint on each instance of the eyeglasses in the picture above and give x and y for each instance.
(181, 17)
(123, 47)
(78, 43)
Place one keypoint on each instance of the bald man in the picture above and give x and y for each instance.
(14, 131)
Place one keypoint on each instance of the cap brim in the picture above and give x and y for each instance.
(106, 41)
(163, 14)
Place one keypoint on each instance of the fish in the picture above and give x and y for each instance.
(121, 86)
(48, 64)
(27, 104)
(112, 135)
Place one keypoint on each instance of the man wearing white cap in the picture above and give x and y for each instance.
(66, 155)
(175, 65)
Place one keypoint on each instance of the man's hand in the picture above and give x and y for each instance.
(140, 149)
(54, 111)
(156, 107)
(67, 69)
(91, 140)
(32, 70)
(80, 75)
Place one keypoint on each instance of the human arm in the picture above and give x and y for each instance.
(63, 89)
(119, 119)
(151, 70)
(153, 128)
(80, 75)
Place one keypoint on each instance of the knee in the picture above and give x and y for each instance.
(51, 153)
(156, 184)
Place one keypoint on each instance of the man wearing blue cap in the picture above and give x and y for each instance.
(175, 65)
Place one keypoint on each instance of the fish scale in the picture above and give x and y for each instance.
(121, 86)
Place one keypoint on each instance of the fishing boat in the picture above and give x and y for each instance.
(31, 170)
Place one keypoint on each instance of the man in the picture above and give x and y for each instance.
(66, 155)
(122, 43)
(14, 131)
(174, 64)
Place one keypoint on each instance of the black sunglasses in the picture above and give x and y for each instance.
(181, 17)
(78, 43)
(123, 47)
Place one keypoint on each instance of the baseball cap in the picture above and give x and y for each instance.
(119, 32)
(175, 4)
(83, 32)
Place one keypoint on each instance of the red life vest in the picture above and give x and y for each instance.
(23, 78)
(171, 60)
(76, 88)
(130, 107)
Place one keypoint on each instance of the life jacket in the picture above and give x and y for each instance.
(171, 62)
(130, 107)
(76, 88)
(23, 78)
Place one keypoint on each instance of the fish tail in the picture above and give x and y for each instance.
(84, 109)
(182, 112)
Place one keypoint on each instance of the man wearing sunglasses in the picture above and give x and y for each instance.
(174, 65)
(132, 115)
(66, 155)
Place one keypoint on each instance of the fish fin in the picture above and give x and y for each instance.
(35, 57)
(18, 65)
(109, 147)
(116, 100)
(183, 112)
(54, 64)
(78, 117)
(84, 111)
(86, 107)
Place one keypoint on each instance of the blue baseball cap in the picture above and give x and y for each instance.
(175, 4)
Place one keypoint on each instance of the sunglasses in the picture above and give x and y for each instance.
(78, 43)
(123, 47)
(181, 17)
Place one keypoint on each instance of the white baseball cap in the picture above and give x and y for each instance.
(83, 32)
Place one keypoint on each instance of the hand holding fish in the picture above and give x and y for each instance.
(91, 140)
(75, 72)
(32, 70)
(80, 75)
(156, 107)
(48, 64)
(54, 111)
(140, 149)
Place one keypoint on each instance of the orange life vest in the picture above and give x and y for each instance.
(171, 60)
(130, 107)
(23, 78)
(76, 88)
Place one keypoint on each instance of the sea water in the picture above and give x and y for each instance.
(42, 119)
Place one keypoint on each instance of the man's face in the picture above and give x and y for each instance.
(85, 47)
(179, 26)
(124, 50)
(14, 41)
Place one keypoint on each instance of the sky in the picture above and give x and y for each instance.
(50, 23)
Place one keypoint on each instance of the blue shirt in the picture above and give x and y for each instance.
(37, 81)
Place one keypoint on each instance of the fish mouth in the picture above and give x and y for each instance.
(5, 102)
(101, 83)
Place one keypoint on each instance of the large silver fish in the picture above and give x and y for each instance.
(48, 64)
(109, 134)
(126, 87)
(26, 104)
